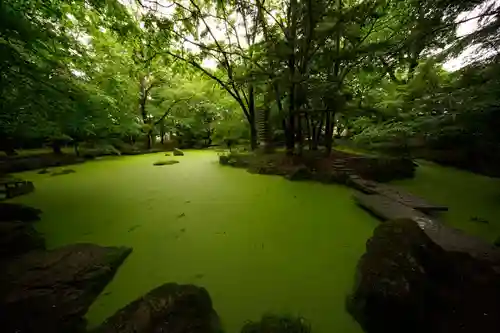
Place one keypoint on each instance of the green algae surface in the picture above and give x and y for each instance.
(473, 200)
(259, 244)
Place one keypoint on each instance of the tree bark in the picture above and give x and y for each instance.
(330, 116)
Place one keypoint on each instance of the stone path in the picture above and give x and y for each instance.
(386, 208)
(395, 194)
(389, 203)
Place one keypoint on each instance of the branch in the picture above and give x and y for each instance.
(170, 108)
(224, 85)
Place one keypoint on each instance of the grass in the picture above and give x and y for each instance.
(259, 244)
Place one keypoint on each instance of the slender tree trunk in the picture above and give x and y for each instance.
(251, 119)
(292, 16)
(253, 136)
(330, 116)
(309, 130)
(300, 136)
(75, 147)
(56, 148)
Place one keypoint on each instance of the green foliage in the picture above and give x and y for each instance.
(295, 71)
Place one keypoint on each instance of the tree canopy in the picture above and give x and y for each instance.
(266, 72)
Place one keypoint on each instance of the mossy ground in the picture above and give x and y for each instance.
(259, 244)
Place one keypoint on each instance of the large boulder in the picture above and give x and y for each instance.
(19, 237)
(169, 308)
(50, 291)
(18, 212)
(407, 283)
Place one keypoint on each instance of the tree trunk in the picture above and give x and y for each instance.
(149, 139)
(290, 135)
(253, 136)
(75, 147)
(300, 136)
(329, 131)
(56, 148)
(251, 119)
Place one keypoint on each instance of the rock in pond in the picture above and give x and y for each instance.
(63, 172)
(299, 173)
(168, 162)
(18, 212)
(18, 238)
(171, 308)
(178, 152)
(50, 291)
(407, 283)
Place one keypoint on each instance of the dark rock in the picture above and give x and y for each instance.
(171, 308)
(479, 219)
(18, 238)
(167, 154)
(224, 159)
(16, 187)
(18, 212)
(43, 171)
(178, 152)
(50, 291)
(299, 173)
(170, 162)
(63, 172)
(277, 324)
(407, 283)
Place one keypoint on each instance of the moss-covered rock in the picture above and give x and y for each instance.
(407, 283)
(50, 291)
(169, 308)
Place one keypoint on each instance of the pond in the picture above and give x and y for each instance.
(259, 244)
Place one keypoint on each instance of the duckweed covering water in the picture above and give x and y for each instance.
(259, 244)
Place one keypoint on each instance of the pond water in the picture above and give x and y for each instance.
(259, 244)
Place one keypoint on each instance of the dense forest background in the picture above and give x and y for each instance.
(299, 73)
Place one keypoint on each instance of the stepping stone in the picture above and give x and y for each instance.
(386, 208)
(394, 193)
(448, 238)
